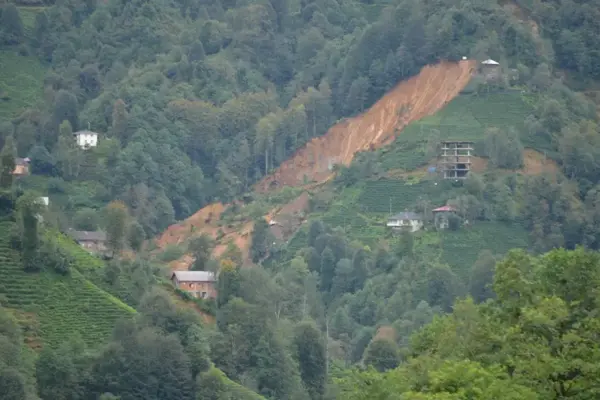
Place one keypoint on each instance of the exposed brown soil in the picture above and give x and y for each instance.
(288, 218)
(202, 221)
(409, 101)
(386, 332)
(205, 221)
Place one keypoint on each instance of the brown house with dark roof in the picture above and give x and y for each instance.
(200, 284)
(94, 242)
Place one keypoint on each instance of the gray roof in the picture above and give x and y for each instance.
(489, 61)
(21, 161)
(194, 276)
(85, 132)
(406, 215)
(97, 236)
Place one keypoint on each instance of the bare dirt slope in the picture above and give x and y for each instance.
(409, 101)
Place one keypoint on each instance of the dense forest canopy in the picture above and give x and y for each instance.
(195, 101)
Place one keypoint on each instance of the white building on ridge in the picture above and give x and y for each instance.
(86, 139)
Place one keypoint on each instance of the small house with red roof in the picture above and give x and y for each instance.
(441, 216)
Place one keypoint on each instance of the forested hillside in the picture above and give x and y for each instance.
(296, 128)
(195, 102)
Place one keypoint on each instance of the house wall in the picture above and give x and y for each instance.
(93, 246)
(21, 170)
(198, 288)
(87, 140)
(491, 72)
(441, 219)
(410, 225)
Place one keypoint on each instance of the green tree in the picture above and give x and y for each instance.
(28, 208)
(86, 219)
(504, 148)
(261, 240)
(228, 283)
(136, 236)
(123, 368)
(12, 385)
(201, 248)
(119, 121)
(310, 353)
(11, 25)
(7, 163)
(358, 95)
(482, 276)
(66, 107)
(57, 374)
(382, 354)
(7, 160)
(327, 270)
(116, 223)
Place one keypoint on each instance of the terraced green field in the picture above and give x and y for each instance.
(465, 118)
(460, 249)
(21, 82)
(393, 195)
(57, 306)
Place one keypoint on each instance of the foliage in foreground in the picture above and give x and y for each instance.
(537, 340)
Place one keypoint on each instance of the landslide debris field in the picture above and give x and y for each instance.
(409, 101)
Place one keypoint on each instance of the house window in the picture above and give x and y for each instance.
(203, 295)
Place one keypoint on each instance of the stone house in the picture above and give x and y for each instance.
(200, 284)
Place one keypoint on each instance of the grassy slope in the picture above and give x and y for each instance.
(21, 80)
(53, 307)
(21, 77)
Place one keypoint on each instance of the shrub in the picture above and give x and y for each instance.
(53, 257)
(454, 222)
(171, 253)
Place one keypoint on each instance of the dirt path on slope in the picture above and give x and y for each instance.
(409, 101)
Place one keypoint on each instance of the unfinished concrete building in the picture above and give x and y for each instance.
(456, 159)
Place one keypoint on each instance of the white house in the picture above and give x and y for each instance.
(405, 221)
(86, 139)
(44, 201)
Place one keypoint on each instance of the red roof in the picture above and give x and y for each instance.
(445, 208)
